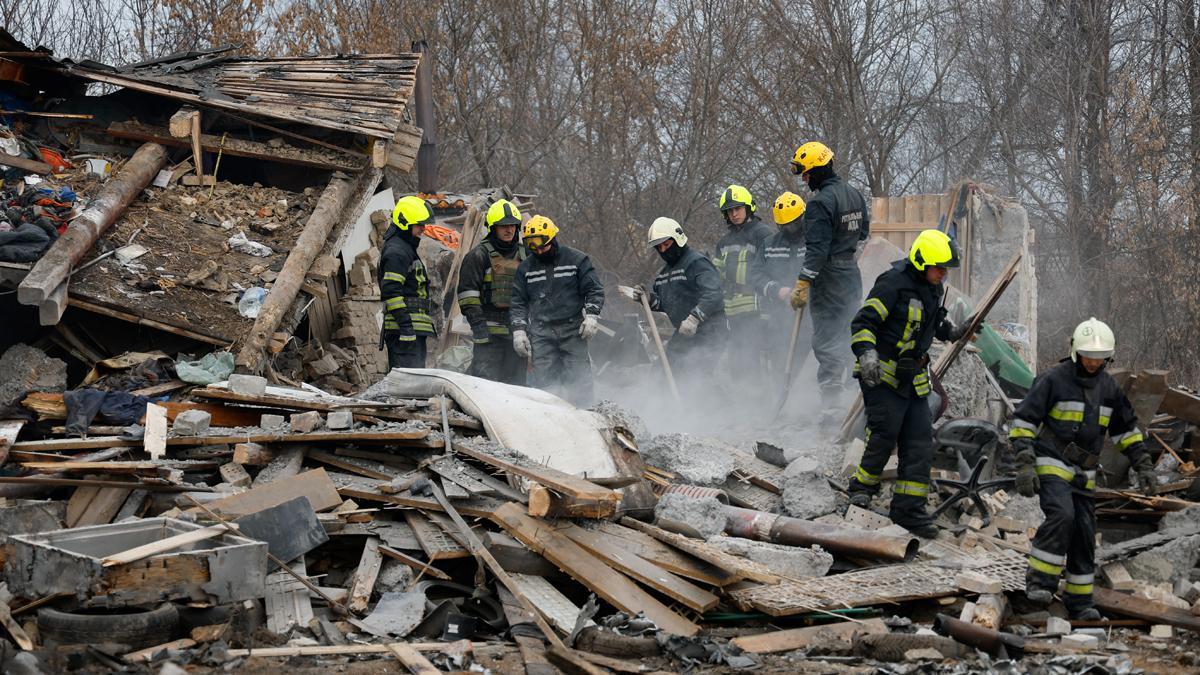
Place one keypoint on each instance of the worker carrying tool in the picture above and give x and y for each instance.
(837, 223)
(404, 285)
(891, 336)
(736, 254)
(485, 289)
(1057, 433)
(556, 303)
(775, 272)
(688, 290)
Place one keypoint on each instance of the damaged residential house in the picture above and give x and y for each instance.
(206, 465)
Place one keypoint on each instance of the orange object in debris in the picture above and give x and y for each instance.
(445, 235)
(55, 160)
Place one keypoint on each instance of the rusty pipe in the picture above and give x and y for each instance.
(989, 640)
(763, 526)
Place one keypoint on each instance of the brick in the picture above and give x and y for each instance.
(248, 385)
(235, 474)
(191, 423)
(1057, 626)
(340, 419)
(1161, 631)
(271, 421)
(977, 583)
(305, 422)
(1117, 577)
(253, 453)
(1081, 641)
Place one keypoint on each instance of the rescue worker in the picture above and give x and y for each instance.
(404, 285)
(781, 257)
(688, 290)
(736, 254)
(892, 333)
(836, 223)
(1057, 433)
(557, 298)
(485, 284)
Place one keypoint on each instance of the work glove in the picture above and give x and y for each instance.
(591, 324)
(1027, 480)
(689, 325)
(869, 371)
(784, 294)
(800, 294)
(1144, 468)
(957, 332)
(633, 293)
(521, 343)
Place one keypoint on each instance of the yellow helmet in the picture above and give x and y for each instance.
(788, 208)
(734, 196)
(503, 212)
(933, 248)
(411, 211)
(811, 155)
(539, 231)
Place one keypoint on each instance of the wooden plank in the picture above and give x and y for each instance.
(14, 629)
(549, 601)
(144, 655)
(415, 438)
(668, 558)
(641, 570)
(420, 567)
(838, 634)
(315, 485)
(352, 467)
(25, 164)
(92, 305)
(89, 483)
(163, 545)
(78, 503)
(340, 650)
(551, 478)
(412, 660)
(740, 567)
(9, 429)
(155, 439)
(618, 590)
(296, 403)
(103, 507)
(363, 583)
(1181, 404)
(236, 147)
(533, 652)
(1115, 602)
(435, 542)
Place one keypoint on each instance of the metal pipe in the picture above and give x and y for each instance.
(762, 526)
(991, 641)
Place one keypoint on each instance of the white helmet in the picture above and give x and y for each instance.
(1092, 339)
(666, 228)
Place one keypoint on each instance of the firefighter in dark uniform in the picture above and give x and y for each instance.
(485, 284)
(735, 255)
(688, 290)
(404, 285)
(837, 223)
(557, 298)
(891, 336)
(1057, 432)
(781, 258)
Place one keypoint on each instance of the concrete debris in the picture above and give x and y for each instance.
(339, 420)
(305, 422)
(394, 576)
(1026, 510)
(810, 496)
(1163, 564)
(269, 421)
(1179, 519)
(397, 613)
(699, 461)
(191, 423)
(24, 369)
(705, 517)
(247, 385)
(792, 562)
(623, 417)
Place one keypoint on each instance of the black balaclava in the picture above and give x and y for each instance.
(550, 253)
(406, 235)
(502, 247)
(673, 254)
(819, 175)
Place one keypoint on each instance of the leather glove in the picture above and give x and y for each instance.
(1144, 468)
(800, 294)
(869, 371)
(521, 343)
(1027, 480)
(633, 293)
(689, 325)
(590, 325)
(957, 332)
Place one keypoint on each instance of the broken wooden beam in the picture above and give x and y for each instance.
(363, 582)
(236, 147)
(556, 480)
(327, 213)
(25, 164)
(55, 266)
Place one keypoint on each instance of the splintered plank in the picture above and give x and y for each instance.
(412, 660)
(104, 506)
(363, 583)
(740, 567)
(556, 607)
(614, 587)
(434, 541)
(1115, 602)
(641, 570)
(9, 429)
(473, 480)
(275, 398)
(554, 479)
(666, 557)
(803, 638)
(315, 485)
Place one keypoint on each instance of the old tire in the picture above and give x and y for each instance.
(136, 628)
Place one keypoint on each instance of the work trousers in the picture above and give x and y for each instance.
(745, 357)
(894, 419)
(404, 353)
(497, 361)
(1065, 540)
(561, 363)
(834, 298)
(779, 340)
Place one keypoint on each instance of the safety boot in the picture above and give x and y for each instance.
(925, 531)
(1035, 591)
(861, 499)
(1085, 614)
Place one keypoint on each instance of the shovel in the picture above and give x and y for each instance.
(791, 364)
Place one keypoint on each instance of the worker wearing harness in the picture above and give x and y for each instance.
(404, 285)
(485, 286)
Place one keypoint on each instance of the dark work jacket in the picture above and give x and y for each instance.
(690, 286)
(485, 286)
(735, 256)
(779, 263)
(404, 286)
(836, 220)
(555, 292)
(1063, 406)
(901, 316)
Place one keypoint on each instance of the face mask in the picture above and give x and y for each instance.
(671, 255)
